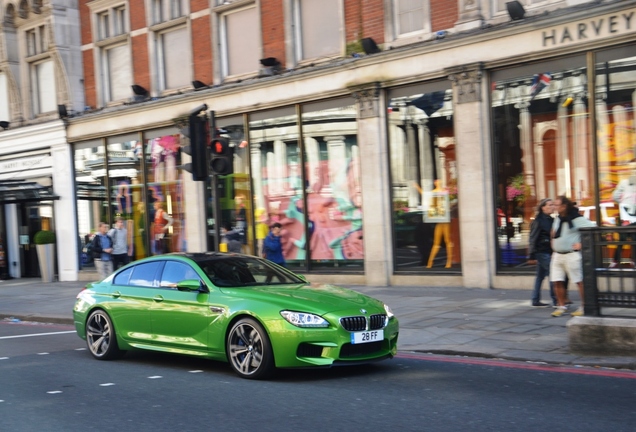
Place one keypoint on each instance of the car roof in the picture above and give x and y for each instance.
(206, 256)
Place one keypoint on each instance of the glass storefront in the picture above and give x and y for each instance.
(544, 147)
(424, 178)
(235, 191)
(121, 177)
(324, 141)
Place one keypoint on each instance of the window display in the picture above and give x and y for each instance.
(424, 178)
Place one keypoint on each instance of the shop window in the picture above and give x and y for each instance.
(240, 41)
(173, 53)
(318, 28)
(278, 197)
(616, 135)
(424, 179)
(333, 192)
(235, 192)
(165, 194)
(542, 146)
(90, 184)
(126, 190)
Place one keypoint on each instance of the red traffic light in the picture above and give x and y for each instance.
(220, 146)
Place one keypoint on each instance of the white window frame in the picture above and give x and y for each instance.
(530, 6)
(160, 60)
(36, 40)
(391, 26)
(110, 21)
(225, 63)
(219, 37)
(296, 34)
(161, 11)
(35, 86)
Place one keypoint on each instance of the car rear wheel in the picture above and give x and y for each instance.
(249, 350)
(100, 336)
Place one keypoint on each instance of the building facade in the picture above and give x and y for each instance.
(397, 142)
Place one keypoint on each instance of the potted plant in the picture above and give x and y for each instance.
(44, 242)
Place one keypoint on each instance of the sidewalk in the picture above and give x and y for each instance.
(456, 321)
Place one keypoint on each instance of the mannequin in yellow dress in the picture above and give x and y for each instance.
(442, 230)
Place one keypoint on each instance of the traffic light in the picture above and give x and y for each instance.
(198, 133)
(221, 157)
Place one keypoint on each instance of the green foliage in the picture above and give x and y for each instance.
(354, 47)
(44, 237)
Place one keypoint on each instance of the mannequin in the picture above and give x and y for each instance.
(625, 196)
(442, 230)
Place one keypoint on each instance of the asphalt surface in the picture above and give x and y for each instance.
(439, 320)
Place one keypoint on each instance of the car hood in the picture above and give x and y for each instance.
(314, 298)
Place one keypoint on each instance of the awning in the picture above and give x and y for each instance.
(18, 191)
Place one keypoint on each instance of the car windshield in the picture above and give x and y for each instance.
(237, 271)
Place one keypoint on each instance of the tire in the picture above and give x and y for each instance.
(100, 336)
(249, 350)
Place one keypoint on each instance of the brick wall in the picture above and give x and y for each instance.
(273, 29)
(373, 19)
(202, 51)
(90, 91)
(140, 66)
(444, 14)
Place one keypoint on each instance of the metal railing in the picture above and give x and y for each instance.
(609, 272)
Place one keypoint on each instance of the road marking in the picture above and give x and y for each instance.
(155, 377)
(517, 365)
(107, 384)
(4, 358)
(54, 392)
(196, 371)
(36, 334)
(43, 353)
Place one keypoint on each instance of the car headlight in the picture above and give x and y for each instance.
(389, 312)
(301, 319)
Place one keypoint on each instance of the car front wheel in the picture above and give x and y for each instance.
(249, 350)
(100, 336)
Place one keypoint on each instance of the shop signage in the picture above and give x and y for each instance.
(42, 161)
(590, 29)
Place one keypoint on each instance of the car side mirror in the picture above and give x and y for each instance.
(192, 285)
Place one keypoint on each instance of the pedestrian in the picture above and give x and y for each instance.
(539, 250)
(566, 257)
(272, 247)
(122, 248)
(232, 238)
(104, 248)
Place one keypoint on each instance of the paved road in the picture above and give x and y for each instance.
(443, 320)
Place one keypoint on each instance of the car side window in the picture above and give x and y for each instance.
(175, 272)
(123, 277)
(146, 275)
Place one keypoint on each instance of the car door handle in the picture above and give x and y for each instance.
(158, 298)
(116, 294)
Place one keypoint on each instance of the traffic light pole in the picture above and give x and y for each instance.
(215, 192)
(217, 212)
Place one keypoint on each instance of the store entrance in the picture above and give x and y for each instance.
(32, 217)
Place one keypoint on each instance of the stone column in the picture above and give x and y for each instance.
(581, 148)
(257, 176)
(527, 159)
(474, 182)
(376, 198)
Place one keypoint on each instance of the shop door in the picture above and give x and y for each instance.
(33, 217)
